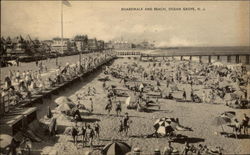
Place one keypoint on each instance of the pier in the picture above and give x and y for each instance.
(230, 57)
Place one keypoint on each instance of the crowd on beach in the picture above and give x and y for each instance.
(20, 85)
(207, 83)
(167, 79)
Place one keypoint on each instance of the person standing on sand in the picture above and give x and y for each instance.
(89, 135)
(109, 106)
(91, 105)
(74, 133)
(125, 121)
(118, 108)
(245, 124)
(97, 129)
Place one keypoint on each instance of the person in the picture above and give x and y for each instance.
(186, 149)
(49, 113)
(89, 135)
(184, 95)
(82, 133)
(199, 150)
(237, 128)
(109, 106)
(245, 124)
(126, 123)
(74, 133)
(168, 149)
(18, 76)
(97, 129)
(91, 105)
(118, 108)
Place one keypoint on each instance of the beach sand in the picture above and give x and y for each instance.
(197, 116)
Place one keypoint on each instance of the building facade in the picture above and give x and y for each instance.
(60, 46)
(81, 42)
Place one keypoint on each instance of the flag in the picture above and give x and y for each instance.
(66, 2)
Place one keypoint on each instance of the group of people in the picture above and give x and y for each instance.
(21, 84)
(86, 132)
(216, 81)
(239, 126)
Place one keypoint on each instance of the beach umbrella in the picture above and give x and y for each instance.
(229, 114)
(163, 130)
(63, 107)
(116, 148)
(62, 99)
(220, 120)
(165, 125)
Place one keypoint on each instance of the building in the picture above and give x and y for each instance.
(18, 45)
(100, 45)
(122, 45)
(108, 45)
(81, 42)
(92, 44)
(60, 46)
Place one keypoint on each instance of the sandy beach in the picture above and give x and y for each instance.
(199, 117)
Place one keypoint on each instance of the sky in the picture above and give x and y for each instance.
(217, 24)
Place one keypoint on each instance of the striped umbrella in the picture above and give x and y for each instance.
(116, 148)
(165, 125)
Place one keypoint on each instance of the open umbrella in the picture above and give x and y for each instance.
(116, 148)
(220, 120)
(164, 121)
(165, 125)
(63, 107)
(64, 100)
(230, 114)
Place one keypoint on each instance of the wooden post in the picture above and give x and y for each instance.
(247, 59)
(200, 59)
(181, 58)
(237, 60)
(228, 58)
(190, 58)
(209, 59)
(218, 57)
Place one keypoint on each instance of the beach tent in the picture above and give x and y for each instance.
(63, 107)
(116, 148)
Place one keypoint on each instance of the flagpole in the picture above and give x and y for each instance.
(62, 27)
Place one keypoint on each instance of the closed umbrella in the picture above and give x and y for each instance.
(116, 148)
